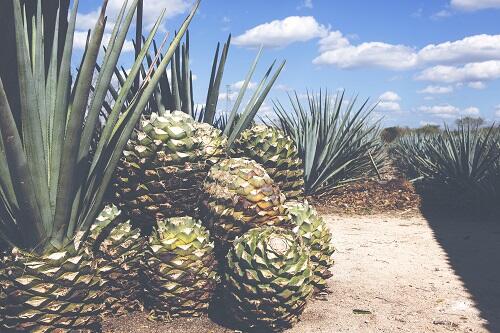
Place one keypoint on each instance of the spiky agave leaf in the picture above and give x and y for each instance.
(47, 173)
(336, 141)
(267, 281)
(176, 92)
(179, 273)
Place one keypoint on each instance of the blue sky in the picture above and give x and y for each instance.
(424, 61)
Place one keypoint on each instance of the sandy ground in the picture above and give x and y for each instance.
(405, 274)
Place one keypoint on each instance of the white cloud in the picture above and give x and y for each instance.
(336, 49)
(478, 71)
(282, 87)
(497, 110)
(390, 96)
(238, 85)
(231, 96)
(472, 5)
(279, 33)
(470, 111)
(306, 4)
(80, 40)
(441, 14)
(436, 90)
(469, 49)
(389, 101)
(441, 111)
(476, 85)
(152, 10)
(428, 123)
(448, 111)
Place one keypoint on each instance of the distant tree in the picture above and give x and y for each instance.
(428, 129)
(470, 122)
(389, 134)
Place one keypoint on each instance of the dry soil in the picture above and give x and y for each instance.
(393, 274)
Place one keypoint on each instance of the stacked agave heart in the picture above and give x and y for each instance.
(277, 153)
(162, 169)
(214, 143)
(267, 281)
(240, 195)
(59, 290)
(316, 237)
(179, 274)
(118, 248)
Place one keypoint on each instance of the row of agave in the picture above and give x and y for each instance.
(66, 254)
(464, 163)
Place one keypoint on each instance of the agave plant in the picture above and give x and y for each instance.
(51, 190)
(335, 139)
(464, 161)
(175, 89)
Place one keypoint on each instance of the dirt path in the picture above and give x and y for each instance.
(401, 271)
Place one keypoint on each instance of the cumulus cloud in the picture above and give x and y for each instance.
(436, 90)
(238, 85)
(336, 49)
(469, 49)
(476, 85)
(389, 101)
(228, 96)
(306, 4)
(441, 111)
(497, 110)
(152, 9)
(473, 5)
(80, 40)
(472, 72)
(470, 111)
(448, 111)
(280, 33)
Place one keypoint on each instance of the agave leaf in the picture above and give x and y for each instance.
(123, 95)
(29, 218)
(113, 50)
(215, 82)
(69, 172)
(31, 123)
(242, 91)
(60, 111)
(254, 105)
(125, 126)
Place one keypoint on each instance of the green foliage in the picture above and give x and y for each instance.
(335, 139)
(427, 129)
(50, 187)
(470, 121)
(465, 161)
(390, 134)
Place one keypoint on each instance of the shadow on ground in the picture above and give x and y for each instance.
(471, 238)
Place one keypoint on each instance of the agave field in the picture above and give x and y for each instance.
(118, 195)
